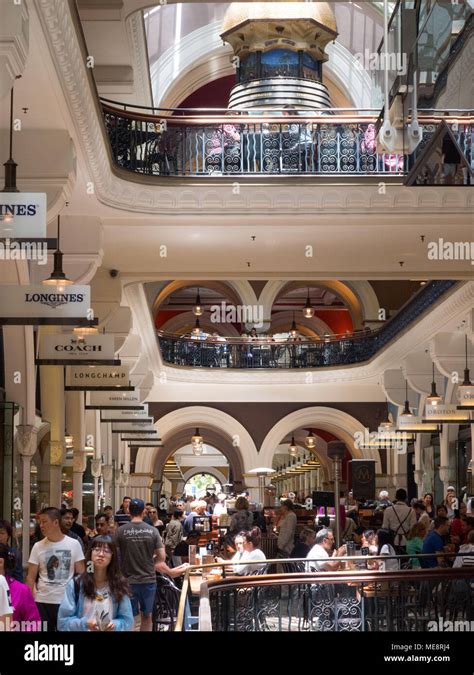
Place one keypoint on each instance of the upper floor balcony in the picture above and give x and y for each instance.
(198, 143)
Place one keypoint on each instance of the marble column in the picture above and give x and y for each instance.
(26, 443)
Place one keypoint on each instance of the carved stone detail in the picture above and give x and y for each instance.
(25, 439)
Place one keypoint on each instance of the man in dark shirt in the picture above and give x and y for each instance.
(140, 545)
(66, 523)
(434, 542)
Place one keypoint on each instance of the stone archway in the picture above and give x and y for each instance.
(219, 429)
(337, 422)
(210, 471)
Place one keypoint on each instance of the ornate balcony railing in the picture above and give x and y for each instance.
(251, 353)
(352, 600)
(176, 143)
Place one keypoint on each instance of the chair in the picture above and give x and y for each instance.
(166, 604)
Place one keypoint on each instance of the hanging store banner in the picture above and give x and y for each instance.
(138, 440)
(414, 424)
(38, 304)
(126, 415)
(466, 398)
(103, 400)
(69, 350)
(444, 414)
(98, 378)
(138, 427)
(145, 444)
(22, 215)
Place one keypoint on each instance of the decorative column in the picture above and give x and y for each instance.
(139, 485)
(336, 451)
(25, 440)
(75, 424)
(57, 452)
(107, 473)
(52, 403)
(96, 470)
(447, 470)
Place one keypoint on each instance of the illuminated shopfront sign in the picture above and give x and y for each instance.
(102, 378)
(22, 215)
(67, 350)
(26, 305)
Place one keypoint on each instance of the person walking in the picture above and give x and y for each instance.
(139, 544)
(99, 599)
(53, 562)
(22, 600)
(399, 518)
(286, 529)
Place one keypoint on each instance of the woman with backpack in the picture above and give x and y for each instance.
(98, 599)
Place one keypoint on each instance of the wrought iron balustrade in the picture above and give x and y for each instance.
(356, 600)
(256, 353)
(179, 144)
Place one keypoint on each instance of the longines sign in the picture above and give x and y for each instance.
(68, 350)
(102, 378)
(38, 304)
(103, 400)
(22, 215)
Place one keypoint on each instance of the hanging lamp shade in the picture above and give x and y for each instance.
(434, 398)
(57, 276)
(308, 310)
(292, 448)
(197, 309)
(310, 440)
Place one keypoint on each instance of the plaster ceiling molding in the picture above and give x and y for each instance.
(393, 384)
(448, 351)
(141, 68)
(131, 349)
(14, 44)
(229, 290)
(139, 370)
(145, 386)
(417, 367)
(343, 69)
(337, 422)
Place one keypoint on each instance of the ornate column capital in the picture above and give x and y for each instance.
(25, 439)
(56, 452)
(96, 468)
(447, 474)
(141, 480)
(107, 472)
(79, 462)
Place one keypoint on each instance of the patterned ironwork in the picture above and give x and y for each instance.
(307, 353)
(403, 601)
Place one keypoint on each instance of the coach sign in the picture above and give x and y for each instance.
(22, 215)
(69, 350)
(99, 378)
(38, 304)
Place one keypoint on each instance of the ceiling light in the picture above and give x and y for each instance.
(197, 328)
(90, 329)
(293, 448)
(387, 425)
(406, 410)
(68, 440)
(308, 310)
(293, 329)
(467, 376)
(197, 309)
(433, 398)
(310, 440)
(57, 276)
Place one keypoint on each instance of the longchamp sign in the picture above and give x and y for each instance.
(23, 215)
(68, 350)
(38, 304)
(102, 378)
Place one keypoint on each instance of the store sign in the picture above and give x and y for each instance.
(414, 424)
(67, 350)
(133, 428)
(125, 415)
(105, 378)
(142, 441)
(99, 400)
(38, 304)
(22, 215)
(444, 414)
(466, 397)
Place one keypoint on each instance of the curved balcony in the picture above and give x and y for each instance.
(178, 142)
(356, 599)
(269, 353)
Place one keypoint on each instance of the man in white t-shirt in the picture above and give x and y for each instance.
(324, 548)
(53, 562)
(6, 608)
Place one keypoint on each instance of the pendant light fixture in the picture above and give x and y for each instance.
(467, 376)
(433, 398)
(293, 329)
(197, 309)
(387, 425)
(197, 328)
(308, 310)
(57, 277)
(10, 165)
(292, 448)
(68, 440)
(406, 410)
(310, 440)
(90, 329)
(197, 443)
